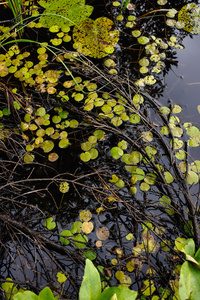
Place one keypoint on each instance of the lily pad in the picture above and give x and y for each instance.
(93, 38)
(64, 12)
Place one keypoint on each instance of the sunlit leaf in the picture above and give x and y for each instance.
(93, 38)
(190, 15)
(65, 237)
(29, 158)
(85, 215)
(116, 152)
(61, 277)
(47, 146)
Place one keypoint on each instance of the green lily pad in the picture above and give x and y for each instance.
(64, 12)
(49, 224)
(86, 156)
(116, 152)
(47, 146)
(67, 234)
(92, 38)
(29, 158)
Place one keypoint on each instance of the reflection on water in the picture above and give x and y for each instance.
(183, 83)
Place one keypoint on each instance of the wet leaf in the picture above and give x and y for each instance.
(29, 158)
(143, 40)
(192, 177)
(64, 13)
(64, 143)
(148, 288)
(85, 215)
(87, 227)
(80, 241)
(92, 38)
(116, 152)
(86, 156)
(102, 233)
(49, 224)
(90, 254)
(64, 187)
(76, 227)
(65, 239)
(168, 177)
(61, 277)
(47, 146)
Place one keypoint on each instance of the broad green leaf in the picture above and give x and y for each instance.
(186, 246)
(94, 37)
(27, 295)
(122, 294)
(64, 12)
(91, 285)
(46, 294)
(189, 287)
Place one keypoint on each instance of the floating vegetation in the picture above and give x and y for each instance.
(93, 167)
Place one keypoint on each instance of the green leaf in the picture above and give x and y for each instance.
(190, 16)
(186, 246)
(27, 295)
(49, 224)
(143, 40)
(121, 293)
(61, 277)
(64, 12)
(91, 285)
(67, 234)
(189, 287)
(46, 294)
(116, 152)
(94, 37)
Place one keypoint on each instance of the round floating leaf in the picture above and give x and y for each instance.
(116, 152)
(192, 130)
(176, 109)
(64, 143)
(136, 33)
(177, 144)
(144, 186)
(192, 178)
(168, 177)
(143, 40)
(120, 183)
(134, 118)
(147, 136)
(86, 156)
(181, 155)
(150, 178)
(87, 227)
(49, 224)
(102, 233)
(94, 153)
(29, 158)
(47, 146)
(94, 38)
(165, 110)
(40, 112)
(56, 119)
(65, 239)
(53, 157)
(61, 277)
(64, 187)
(195, 166)
(85, 215)
(86, 146)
